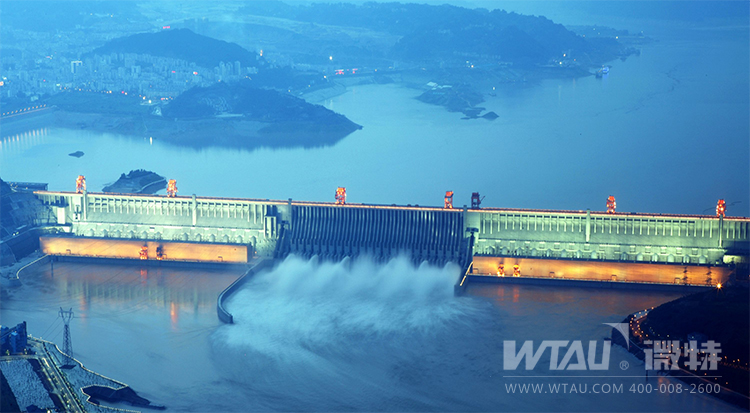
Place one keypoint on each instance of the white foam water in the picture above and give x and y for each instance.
(354, 335)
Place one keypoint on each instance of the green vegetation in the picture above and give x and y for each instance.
(181, 44)
(139, 181)
(241, 98)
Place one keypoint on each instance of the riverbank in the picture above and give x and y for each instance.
(79, 379)
(234, 132)
(692, 323)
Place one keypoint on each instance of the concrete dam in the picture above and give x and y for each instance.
(229, 230)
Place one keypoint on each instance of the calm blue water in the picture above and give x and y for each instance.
(664, 132)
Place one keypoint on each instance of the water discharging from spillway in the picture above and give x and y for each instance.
(351, 336)
(360, 336)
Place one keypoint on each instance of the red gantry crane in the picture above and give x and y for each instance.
(721, 208)
(476, 200)
(611, 205)
(80, 184)
(340, 195)
(448, 199)
(172, 188)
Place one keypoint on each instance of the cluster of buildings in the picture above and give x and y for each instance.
(13, 340)
(43, 63)
(150, 76)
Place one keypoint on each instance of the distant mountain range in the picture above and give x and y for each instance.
(448, 33)
(181, 44)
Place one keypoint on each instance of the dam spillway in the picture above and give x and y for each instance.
(277, 228)
(337, 232)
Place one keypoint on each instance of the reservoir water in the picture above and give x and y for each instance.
(666, 131)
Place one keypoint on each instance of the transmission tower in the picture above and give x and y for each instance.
(67, 346)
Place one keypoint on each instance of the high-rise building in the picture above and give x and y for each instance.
(74, 65)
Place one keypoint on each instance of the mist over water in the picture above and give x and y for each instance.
(351, 335)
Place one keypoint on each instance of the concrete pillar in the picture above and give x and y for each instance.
(588, 225)
(194, 208)
(721, 232)
(290, 214)
(466, 221)
(84, 204)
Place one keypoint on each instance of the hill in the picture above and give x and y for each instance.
(240, 98)
(454, 34)
(181, 44)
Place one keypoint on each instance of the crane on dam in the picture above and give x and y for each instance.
(611, 205)
(448, 199)
(721, 208)
(340, 195)
(476, 200)
(172, 188)
(80, 184)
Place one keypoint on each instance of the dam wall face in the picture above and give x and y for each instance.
(274, 229)
(254, 223)
(604, 270)
(620, 237)
(130, 249)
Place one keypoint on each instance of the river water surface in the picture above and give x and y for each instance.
(334, 337)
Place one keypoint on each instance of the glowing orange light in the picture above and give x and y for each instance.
(143, 253)
(449, 199)
(718, 286)
(721, 208)
(501, 270)
(80, 184)
(340, 195)
(516, 270)
(611, 205)
(171, 188)
(160, 253)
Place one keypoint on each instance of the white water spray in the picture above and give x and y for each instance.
(356, 330)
